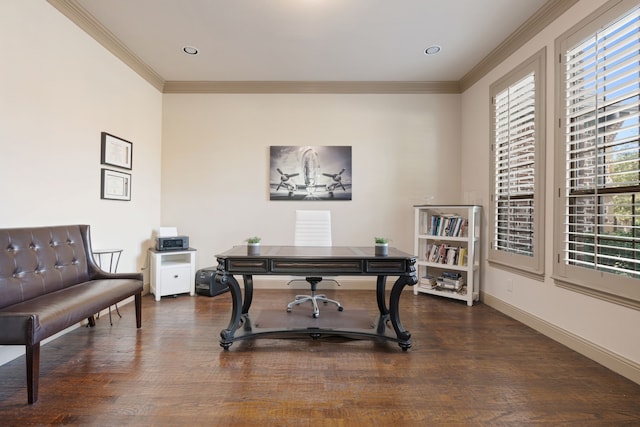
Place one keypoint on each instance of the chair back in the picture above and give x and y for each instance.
(313, 228)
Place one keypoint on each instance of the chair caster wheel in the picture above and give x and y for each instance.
(340, 308)
(316, 315)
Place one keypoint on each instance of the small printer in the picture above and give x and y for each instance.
(173, 243)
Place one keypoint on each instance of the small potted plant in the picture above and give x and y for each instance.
(382, 246)
(253, 245)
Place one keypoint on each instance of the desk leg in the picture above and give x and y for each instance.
(404, 336)
(380, 295)
(236, 309)
(248, 293)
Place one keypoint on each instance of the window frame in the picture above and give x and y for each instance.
(531, 266)
(596, 283)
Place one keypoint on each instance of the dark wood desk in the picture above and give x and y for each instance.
(316, 261)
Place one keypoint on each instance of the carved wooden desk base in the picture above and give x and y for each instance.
(316, 261)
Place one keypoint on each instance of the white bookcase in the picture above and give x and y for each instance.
(447, 245)
(172, 272)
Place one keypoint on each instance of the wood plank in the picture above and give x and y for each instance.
(467, 366)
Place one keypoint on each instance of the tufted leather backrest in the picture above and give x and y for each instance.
(39, 260)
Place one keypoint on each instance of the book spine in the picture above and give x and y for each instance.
(462, 257)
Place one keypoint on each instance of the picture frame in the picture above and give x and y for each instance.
(116, 151)
(310, 173)
(115, 185)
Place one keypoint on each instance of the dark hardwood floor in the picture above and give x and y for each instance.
(468, 366)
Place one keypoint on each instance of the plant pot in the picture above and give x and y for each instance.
(382, 249)
(253, 248)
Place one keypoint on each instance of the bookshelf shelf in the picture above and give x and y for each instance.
(447, 244)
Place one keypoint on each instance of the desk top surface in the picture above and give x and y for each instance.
(357, 252)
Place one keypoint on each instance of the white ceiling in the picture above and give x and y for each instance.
(310, 40)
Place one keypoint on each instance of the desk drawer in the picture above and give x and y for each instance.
(390, 266)
(248, 266)
(330, 267)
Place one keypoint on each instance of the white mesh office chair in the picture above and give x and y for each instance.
(313, 228)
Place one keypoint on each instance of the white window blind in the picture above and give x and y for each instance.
(601, 229)
(514, 163)
(516, 214)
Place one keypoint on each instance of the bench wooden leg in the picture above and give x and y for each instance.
(92, 321)
(138, 302)
(33, 371)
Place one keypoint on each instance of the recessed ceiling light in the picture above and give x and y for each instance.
(190, 50)
(432, 50)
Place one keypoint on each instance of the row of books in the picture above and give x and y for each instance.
(447, 280)
(446, 254)
(447, 225)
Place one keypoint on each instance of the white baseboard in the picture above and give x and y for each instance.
(619, 364)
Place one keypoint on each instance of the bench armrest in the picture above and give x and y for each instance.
(95, 272)
(17, 328)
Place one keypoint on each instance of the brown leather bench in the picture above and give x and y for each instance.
(49, 281)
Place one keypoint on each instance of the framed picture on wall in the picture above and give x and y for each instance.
(308, 173)
(115, 185)
(116, 151)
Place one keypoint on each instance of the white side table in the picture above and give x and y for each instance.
(172, 272)
(108, 258)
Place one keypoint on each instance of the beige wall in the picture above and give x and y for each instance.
(215, 160)
(607, 328)
(58, 90)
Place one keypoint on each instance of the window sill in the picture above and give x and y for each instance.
(605, 296)
(522, 271)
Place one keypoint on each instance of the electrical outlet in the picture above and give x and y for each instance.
(509, 285)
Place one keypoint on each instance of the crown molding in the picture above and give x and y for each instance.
(315, 87)
(551, 10)
(548, 13)
(83, 19)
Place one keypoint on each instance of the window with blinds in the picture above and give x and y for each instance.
(602, 163)
(514, 152)
(600, 127)
(517, 120)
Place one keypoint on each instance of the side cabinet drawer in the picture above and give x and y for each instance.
(175, 280)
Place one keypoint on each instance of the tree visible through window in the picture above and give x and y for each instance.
(602, 150)
(600, 195)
